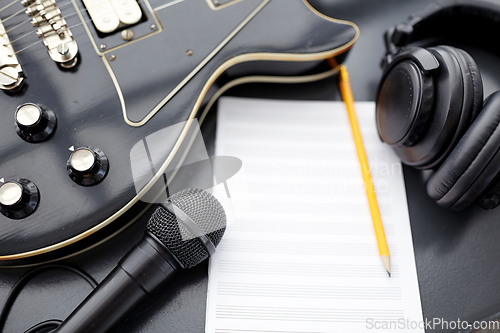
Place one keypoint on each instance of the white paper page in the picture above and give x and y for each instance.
(304, 258)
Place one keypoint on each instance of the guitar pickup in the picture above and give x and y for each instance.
(53, 30)
(11, 73)
(111, 15)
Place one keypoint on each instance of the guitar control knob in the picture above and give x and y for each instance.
(18, 198)
(87, 166)
(35, 123)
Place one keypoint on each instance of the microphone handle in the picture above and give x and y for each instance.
(137, 275)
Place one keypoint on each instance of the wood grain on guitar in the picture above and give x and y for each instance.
(122, 90)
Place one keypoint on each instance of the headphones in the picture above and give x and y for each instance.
(430, 106)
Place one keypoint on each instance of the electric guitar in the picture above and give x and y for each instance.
(85, 81)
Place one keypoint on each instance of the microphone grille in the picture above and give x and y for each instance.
(205, 210)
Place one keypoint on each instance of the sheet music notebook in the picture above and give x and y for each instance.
(302, 257)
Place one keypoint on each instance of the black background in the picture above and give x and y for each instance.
(457, 254)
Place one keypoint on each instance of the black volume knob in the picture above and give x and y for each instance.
(35, 123)
(18, 198)
(87, 166)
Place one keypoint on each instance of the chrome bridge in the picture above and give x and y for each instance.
(11, 73)
(53, 30)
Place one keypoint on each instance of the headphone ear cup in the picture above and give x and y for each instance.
(476, 82)
(423, 115)
(471, 96)
(474, 164)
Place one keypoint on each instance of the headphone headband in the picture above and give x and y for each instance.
(469, 21)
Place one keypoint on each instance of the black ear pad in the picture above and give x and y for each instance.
(474, 164)
(471, 96)
(477, 83)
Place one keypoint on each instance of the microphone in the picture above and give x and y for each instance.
(180, 234)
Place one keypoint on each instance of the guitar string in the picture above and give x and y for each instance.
(16, 26)
(24, 48)
(67, 28)
(10, 4)
(13, 15)
(57, 5)
(172, 2)
(65, 3)
(66, 16)
(27, 34)
(29, 19)
(19, 38)
(40, 41)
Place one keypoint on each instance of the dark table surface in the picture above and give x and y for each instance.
(457, 254)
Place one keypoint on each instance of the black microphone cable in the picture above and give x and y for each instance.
(48, 325)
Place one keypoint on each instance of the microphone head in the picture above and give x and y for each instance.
(204, 210)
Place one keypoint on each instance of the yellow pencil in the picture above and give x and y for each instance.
(345, 90)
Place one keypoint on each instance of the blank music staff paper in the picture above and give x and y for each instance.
(300, 253)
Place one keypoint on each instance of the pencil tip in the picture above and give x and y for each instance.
(387, 263)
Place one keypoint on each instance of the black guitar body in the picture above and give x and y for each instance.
(120, 92)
